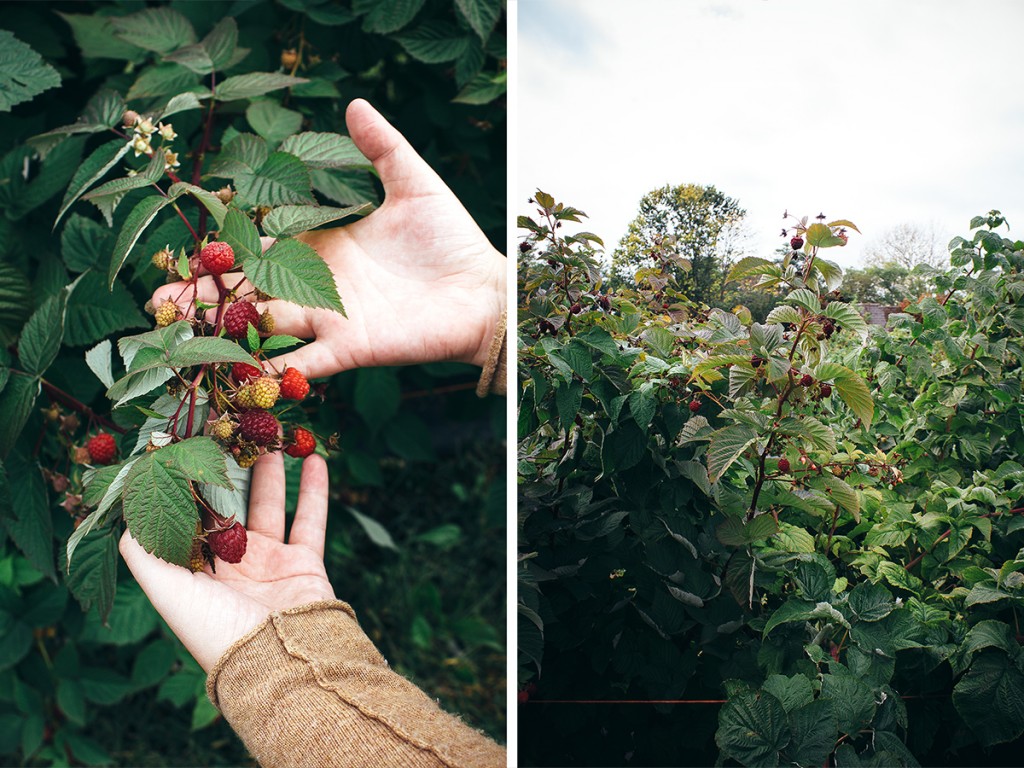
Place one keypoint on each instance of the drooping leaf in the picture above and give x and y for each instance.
(990, 698)
(95, 311)
(142, 216)
(16, 401)
(483, 89)
(753, 729)
(434, 42)
(482, 15)
(391, 16)
(241, 234)
(282, 179)
(92, 170)
(161, 29)
(92, 577)
(41, 337)
(727, 445)
(210, 201)
(25, 512)
(159, 509)
(378, 533)
(325, 150)
(272, 121)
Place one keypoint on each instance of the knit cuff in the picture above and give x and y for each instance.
(493, 376)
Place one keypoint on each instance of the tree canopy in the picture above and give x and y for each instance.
(692, 230)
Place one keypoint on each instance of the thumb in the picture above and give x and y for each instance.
(402, 171)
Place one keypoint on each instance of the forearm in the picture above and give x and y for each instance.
(308, 688)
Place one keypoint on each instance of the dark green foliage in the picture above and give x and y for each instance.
(861, 606)
(111, 685)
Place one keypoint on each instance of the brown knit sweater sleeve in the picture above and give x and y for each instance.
(307, 689)
(493, 376)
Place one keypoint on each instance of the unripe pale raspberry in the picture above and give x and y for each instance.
(217, 257)
(225, 194)
(266, 324)
(244, 399)
(163, 259)
(294, 385)
(167, 313)
(238, 317)
(303, 443)
(222, 428)
(265, 392)
(246, 459)
(259, 427)
(289, 58)
(102, 448)
(229, 544)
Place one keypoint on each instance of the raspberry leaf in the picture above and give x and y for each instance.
(241, 234)
(41, 337)
(282, 341)
(272, 121)
(155, 29)
(159, 508)
(199, 459)
(232, 501)
(23, 73)
(142, 216)
(93, 578)
(283, 178)
(254, 84)
(99, 361)
(92, 170)
(325, 150)
(162, 338)
(16, 401)
(209, 200)
(288, 220)
(209, 349)
(293, 271)
(164, 408)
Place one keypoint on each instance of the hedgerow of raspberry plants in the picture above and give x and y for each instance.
(814, 522)
(180, 125)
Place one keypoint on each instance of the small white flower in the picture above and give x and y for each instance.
(141, 145)
(132, 173)
(170, 160)
(167, 132)
(145, 126)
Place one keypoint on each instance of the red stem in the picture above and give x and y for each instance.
(62, 397)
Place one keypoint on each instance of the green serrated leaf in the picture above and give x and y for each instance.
(94, 312)
(95, 37)
(198, 458)
(92, 170)
(160, 29)
(253, 84)
(483, 89)
(207, 349)
(23, 73)
(753, 729)
(482, 15)
(282, 179)
(434, 42)
(142, 216)
(241, 234)
(16, 403)
(727, 445)
(325, 150)
(290, 220)
(41, 337)
(384, 18)
(92, 578)
(159, 509)
(272, 121)
(293, 271)
(163, 80)
(209, 200)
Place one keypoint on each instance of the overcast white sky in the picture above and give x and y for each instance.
(878, 111)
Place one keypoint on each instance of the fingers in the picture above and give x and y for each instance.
(402, 171)
(309, 529)
(313, 360)
(267, 497)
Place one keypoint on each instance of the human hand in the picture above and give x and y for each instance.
(419, 280)
(209, 612)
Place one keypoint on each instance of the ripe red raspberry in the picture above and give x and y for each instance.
(229, 544)
(796, 243)
(294, 385)
(524, 246)
(806, 380)
(265, 391)
(826, 390)
(258, 427)
(238, 317)
(217, 258)
(784, 465)
(694, 406)
(102, 448)
(242, 372)
(304, 444)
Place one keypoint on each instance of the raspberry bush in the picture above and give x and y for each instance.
(180, 127)
(820, 561)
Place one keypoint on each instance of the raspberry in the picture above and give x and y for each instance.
(605, 303)
(756, 360)
(167, 313)
(524, 247)
(796, 243)
(244, 399)
(806, 380)
(222, 428)
(289, 58)
(229, 544)
(266, 323)
(304, 444)
(238, 317)
(265, 392)
(130, 118)
(258, 427)
(242, 372)
(694, 406)
(784, 465)
(102, 448)
(225, 194)
(826, 390)
(294, 385)
(217, 257)
(576, 308)
(163, 259)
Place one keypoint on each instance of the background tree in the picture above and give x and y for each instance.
(907, 245)
(692, 230)
(888, 283)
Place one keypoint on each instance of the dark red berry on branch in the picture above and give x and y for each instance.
(796, 243)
